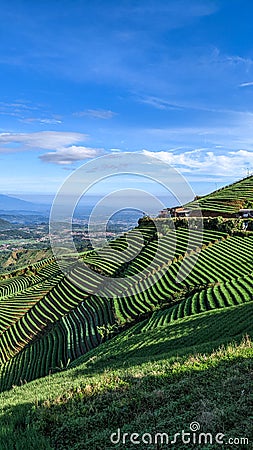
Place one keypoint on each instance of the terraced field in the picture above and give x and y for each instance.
(228, 199)
(186, 371)
(218, 262)
(49, 318)
(223, 295)
(172, 337)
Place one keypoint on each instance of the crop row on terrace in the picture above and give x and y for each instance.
(112, 256)
(219, 262)
(13, 307)
(146, 340)
(62, 297)
(210, 205)
(222, 295)
(229, 199)
(204, 327)
(17, 284)
(172, 246)
(74, 334)
(37, 273)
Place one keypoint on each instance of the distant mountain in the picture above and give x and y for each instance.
(8, 203)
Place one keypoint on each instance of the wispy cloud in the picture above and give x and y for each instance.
(159, 103)
(184, 105)
(246, 84)
(70, 155)
(26, 112)
(49, 140)
(232, 131)
(237, 59)
(96, 114)
(18, 106)
(176, 10)
(18, 109)
(43, 121)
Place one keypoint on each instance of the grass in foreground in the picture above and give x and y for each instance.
(141, 381)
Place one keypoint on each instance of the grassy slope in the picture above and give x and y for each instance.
(141, 381)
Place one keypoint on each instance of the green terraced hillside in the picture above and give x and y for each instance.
(226, 201)
(48, 318)
(148, 379)
(119, 316)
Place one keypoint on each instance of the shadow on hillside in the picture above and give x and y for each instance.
(17, 432)
(218, 398)
(201, 333)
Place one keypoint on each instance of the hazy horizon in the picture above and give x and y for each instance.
(199, 188)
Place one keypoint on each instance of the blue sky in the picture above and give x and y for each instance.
(80, 79)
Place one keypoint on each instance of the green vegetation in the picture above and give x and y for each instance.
(227, 200)
(150, 353)
(144, 380)
(221, 295)
(54, 318)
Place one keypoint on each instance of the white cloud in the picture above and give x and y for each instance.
(62, 146)
(70, 155)
(207, 162)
